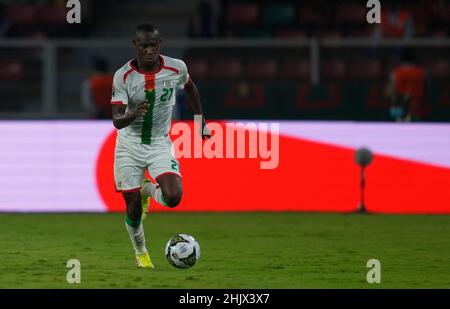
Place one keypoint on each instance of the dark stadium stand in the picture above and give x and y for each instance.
(226, 69)
(295, 69)
(273, 17)
(279, 70)
(43, 19)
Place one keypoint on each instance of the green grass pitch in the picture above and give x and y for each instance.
(238, 250)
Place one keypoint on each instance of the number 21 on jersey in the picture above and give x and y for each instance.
(167, 94)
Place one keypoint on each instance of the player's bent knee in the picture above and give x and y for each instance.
(173, 199)
(171, 189)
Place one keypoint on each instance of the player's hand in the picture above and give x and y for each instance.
(140, 110)
(206, 132)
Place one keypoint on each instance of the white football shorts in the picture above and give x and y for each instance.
(131, 159)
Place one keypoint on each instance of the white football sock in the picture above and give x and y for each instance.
(149, 189)
(137, 237)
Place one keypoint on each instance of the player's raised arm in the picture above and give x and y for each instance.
(194, 102)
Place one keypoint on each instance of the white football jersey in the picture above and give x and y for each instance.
(132, 87)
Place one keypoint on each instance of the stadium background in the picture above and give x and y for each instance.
(255, 60)
(315, 67)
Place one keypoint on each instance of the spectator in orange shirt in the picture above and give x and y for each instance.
(96, 91)
(410, 88)
(396, 22)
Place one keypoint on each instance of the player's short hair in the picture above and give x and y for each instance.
(147, 28)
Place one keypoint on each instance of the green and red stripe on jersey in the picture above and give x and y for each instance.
(150, 95)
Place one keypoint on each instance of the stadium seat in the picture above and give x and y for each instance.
(198, 69)
(444, 98)
(21, 14)
(278, 14)
(444, 13)
(53, 15)
(245, 94)
(377, 98)
(295, 69)
(439, 34)
(323, 34)
(447, 13)
(354, 13)
(438, 69)
(333, 69)
(261, 69)
(227, 69)
(255, 33)
(309, 16)
(363, 69)
(361, 32)
(290, 34)
(244, 13)
(321, 97)
(11, 70)
(423, 15)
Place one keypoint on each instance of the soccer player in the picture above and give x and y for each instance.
(143, 97)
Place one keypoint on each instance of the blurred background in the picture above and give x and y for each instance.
(317, 68)
(332, 85)
(302, 60)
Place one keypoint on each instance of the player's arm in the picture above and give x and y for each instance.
(122, 117)
(195, 104)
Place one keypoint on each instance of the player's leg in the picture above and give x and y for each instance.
(132, 201)
(128, 177)
(133, 222)
(168, 190)
(145, 196)
(135, 228)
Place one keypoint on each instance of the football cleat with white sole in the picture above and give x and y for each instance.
(143, 261)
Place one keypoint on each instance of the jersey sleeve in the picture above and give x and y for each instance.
(119, 92)
(184, 75)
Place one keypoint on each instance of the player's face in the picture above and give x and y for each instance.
(147, 46)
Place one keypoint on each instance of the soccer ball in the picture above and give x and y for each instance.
(182, 251)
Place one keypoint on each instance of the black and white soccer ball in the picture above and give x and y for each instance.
(182, 251)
